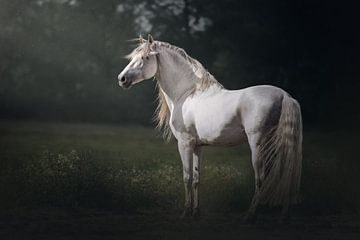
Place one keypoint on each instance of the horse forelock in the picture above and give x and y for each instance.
(143, 49)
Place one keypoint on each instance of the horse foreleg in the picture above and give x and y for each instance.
(196, 180)
(186, 153)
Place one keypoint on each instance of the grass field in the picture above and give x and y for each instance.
(62, 171)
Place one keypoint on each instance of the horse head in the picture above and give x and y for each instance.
(143, 63)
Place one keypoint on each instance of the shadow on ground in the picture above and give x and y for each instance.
(58, 224)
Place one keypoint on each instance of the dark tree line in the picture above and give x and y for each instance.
(59, 58)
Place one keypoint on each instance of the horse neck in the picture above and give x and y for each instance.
(175, 76)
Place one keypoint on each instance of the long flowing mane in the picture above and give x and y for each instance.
(203, 80)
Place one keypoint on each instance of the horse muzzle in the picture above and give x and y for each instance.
(124, 81)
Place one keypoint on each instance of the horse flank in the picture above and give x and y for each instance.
(204, 80)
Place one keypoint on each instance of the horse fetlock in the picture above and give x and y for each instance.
(187, 212)
(285, 219)
(196, 212)
(250, 217)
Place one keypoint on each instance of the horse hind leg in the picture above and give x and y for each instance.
(258, 172)
(258, 166)
(285, 215)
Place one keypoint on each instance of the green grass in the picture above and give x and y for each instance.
(131, 170)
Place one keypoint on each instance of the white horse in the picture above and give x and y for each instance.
(199, 111)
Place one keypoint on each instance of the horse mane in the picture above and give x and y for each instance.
(204, 81)
(205, 78)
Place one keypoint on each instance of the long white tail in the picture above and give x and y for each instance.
(281, 151)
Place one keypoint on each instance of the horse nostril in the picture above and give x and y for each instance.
(122, 79)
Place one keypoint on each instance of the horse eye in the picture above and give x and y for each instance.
(147, 57)
(142, 58)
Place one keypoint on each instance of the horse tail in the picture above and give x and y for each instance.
(281, 151)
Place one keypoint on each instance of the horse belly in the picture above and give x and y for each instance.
(220, 128)
(227, 136)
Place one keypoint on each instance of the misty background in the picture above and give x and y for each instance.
(59, 59)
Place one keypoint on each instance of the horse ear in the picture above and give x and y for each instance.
(141, 39)
(150, 39)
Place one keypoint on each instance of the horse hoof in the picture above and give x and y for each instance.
(186, 213)
(249, 218)
(196, 213)
(285, 220)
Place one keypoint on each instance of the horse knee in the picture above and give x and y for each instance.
(195, 179)
(195, 183)
(187, 180)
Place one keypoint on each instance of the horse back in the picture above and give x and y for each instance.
(226, 116)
